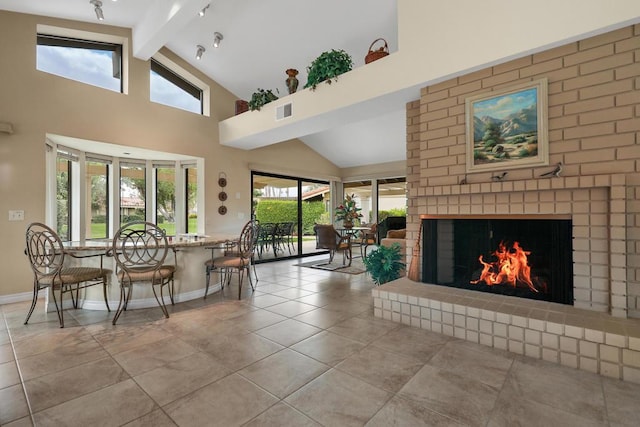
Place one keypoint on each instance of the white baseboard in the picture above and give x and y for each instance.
(113, 304)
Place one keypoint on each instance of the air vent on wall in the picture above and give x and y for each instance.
(283, 111)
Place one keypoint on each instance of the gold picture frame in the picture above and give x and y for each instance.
(507, 128)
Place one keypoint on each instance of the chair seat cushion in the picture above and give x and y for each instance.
(230, 262)
(74, 275)
(141, 274)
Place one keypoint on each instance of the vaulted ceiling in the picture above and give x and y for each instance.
(261, 39)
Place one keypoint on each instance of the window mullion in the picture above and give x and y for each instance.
(150, 192)
(114, 197)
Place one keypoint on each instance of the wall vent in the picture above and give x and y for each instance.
(283, 111)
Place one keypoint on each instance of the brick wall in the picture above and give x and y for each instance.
(593, 128)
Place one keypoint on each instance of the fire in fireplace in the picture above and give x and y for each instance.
(529, 258)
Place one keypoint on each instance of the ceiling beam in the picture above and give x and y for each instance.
(163, 22)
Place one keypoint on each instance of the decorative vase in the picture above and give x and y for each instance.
(292, 81)
(347, 223)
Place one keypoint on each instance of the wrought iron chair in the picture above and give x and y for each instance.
(140, 249)
(328, 238)
(266, 238)
(284, 236)
(237, 256)
(47, 256)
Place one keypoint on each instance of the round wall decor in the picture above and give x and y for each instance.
(222, 179)
(222, 195)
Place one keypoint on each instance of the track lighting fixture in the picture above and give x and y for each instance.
(98, 9)
(199, 52)
(217, 38)
(203, 11)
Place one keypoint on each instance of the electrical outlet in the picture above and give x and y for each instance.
(238, 195)
(16, 215)
(240, 215)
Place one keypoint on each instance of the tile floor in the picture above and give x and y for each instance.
(303, 349)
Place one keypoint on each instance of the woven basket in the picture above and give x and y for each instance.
(374, 55)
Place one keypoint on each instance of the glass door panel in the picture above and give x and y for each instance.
(286, 209)
(361, 190)
(316, 209)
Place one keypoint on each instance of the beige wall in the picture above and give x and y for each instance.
(594, 129)
(37, 103)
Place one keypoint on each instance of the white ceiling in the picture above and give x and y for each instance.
(261, 40)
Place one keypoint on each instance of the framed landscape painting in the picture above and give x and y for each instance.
(507, 128)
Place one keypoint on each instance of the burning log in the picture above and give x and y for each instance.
(510, 268)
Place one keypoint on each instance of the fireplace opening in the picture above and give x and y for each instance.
(527, 258)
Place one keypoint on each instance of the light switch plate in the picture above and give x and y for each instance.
(16, 215)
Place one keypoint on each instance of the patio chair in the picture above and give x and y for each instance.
(368, 238)
(284, 236)
(266, 238)
(47, 257)
(140, 249)
(328, 238)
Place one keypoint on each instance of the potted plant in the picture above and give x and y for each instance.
(260, 98)
(384, 264)
(347, 211)
(327, 66)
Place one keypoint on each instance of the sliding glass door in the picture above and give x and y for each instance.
(286, 209)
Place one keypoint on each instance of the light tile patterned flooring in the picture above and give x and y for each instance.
(304, 349)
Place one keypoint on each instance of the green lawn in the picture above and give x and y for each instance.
(98, 230)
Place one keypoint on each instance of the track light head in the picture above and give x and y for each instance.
(98, 9)
(217, 38)
(203, 11)
(199, 52)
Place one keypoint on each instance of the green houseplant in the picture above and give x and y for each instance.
(348, 211)
(384, 264)
(260, 98)
(327, 66)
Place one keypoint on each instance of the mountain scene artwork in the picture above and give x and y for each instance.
(505, 128)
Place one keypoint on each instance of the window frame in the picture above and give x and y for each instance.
(177, 80)
(76, 43)
(178, 72)
(78, 161)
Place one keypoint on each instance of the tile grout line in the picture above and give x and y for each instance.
(15, 358)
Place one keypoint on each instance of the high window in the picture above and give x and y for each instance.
(91, 62)
(169, 88)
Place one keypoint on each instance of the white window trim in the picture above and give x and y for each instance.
(78, 187)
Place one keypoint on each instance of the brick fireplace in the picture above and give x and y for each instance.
(596, 206)
(593, 129)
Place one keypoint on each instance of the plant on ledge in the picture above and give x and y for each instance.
(327, 66)
(384, 264)
(260, 98)
(347, 211)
